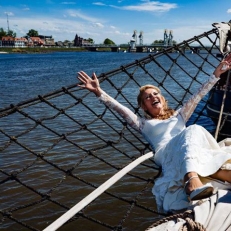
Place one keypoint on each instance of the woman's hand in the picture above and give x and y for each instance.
(228, 58)
(224, 66)
(91, 84)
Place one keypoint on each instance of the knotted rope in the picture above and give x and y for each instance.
(189, 225)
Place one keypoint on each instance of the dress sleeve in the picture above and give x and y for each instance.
(132, 119)
(189, 107)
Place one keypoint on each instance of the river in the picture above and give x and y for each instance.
(24, 76)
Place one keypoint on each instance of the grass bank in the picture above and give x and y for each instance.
(49, 49)
(40, 49)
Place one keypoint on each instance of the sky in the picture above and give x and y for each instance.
(116, 20)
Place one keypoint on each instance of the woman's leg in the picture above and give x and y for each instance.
(223, 175)
(194, 187)
(192, 184)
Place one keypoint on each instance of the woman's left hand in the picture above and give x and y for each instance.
(224, 66)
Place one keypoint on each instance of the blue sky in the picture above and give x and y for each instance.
(116, 20)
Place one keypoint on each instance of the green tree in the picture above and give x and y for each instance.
(90, 40)
(32, 33)
(2, 33)
(108, 41)
(158, 42)
(11, 33)
(174, 42)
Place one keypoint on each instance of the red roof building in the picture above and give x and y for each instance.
(35, 41)
(8, 41)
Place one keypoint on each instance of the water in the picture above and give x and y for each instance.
(24, 76)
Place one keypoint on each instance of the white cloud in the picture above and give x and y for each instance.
(68, 3)
(99, 25)
(98, 3)
(68, 23)
(26, 8)
(60, 29)
(9, 13)
(77, 14)
(152, 6)
(229, 11)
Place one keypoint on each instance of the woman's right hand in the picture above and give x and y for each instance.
(91, 84)
(228, 58)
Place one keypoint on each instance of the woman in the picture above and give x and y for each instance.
(183, 153)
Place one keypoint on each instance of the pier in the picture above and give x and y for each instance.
(143, 48)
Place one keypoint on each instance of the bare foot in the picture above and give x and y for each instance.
(192, 182)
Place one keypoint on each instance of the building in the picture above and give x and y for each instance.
(79, 42)
(8, 41)
(35, 41)
(20, 42)
(59, 44)
(47, 40)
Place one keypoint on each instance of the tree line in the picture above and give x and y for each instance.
(34, 33)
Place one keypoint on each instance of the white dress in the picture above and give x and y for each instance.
(178, 149)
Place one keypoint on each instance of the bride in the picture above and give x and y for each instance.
(184, 153)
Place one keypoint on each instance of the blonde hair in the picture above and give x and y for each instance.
(167, 112)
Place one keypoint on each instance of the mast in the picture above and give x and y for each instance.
(8, 23)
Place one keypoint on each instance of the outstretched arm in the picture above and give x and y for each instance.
(92, 84)
(189, 107)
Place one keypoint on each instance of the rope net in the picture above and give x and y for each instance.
(68, 146)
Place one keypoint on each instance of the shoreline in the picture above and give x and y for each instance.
(26, 50)
(39, 50)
